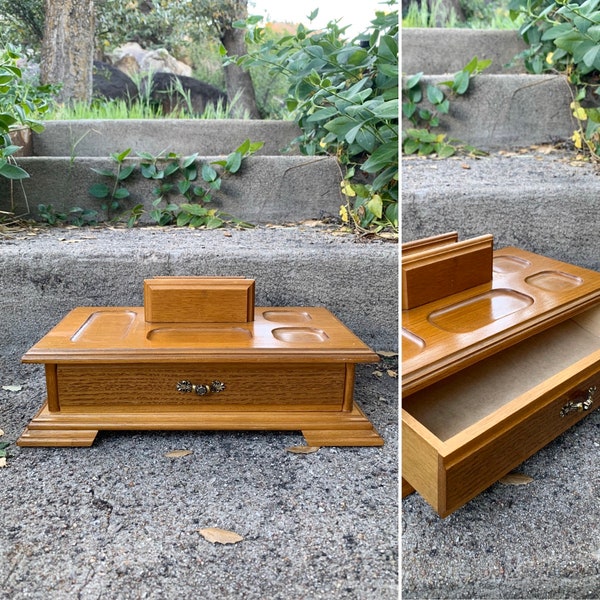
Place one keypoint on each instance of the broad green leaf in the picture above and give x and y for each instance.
(194, 209)
(184, 186)
(120, 157)
(592, 57)
(213, 223)
(388, 48)
(461, 82)
(208, 173)
(171, 168)
(9, 150)
(125, 172)
(189, 160)
(375, 205)
(434, 94)
(234, 162)
(413, 81)
(99, 190)
(12, 171)
(381, 158)
(148, 170)
(387, 110)
(121, 193)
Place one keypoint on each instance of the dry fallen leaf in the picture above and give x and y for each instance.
(516, 479)
(220, 536)
(303, 449)
(177, 453)
(386, 353)
(12, 388)
(2, 461)
(392, 374)
(378, 373)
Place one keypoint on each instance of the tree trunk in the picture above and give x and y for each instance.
(239, 84)
(68, 48)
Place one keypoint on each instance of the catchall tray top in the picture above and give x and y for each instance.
(524, 293)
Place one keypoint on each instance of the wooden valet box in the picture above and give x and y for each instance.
(493, 373)
(269, 368)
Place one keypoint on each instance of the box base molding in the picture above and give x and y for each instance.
(60, 428)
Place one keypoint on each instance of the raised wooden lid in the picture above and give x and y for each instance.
(121, 335)
(528, 294)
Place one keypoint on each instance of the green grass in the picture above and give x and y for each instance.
(493, 16)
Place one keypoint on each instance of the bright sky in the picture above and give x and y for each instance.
(356, 13)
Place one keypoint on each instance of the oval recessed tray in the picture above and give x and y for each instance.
(509, 264)
(479, 311)
(411, 344)
(554, 281)
(286, 316)
(198, 336)
(299, 335)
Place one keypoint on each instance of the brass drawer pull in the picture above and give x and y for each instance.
(579, 406)
(187, 387)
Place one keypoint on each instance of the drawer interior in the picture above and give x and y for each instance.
(461, 400)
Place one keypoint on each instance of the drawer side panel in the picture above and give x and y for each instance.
(420, 461)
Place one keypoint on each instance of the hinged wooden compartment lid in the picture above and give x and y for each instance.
(199, 300)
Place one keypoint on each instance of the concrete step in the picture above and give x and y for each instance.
(544, 202)
(47, 274)
(273, 186)
(435, 51)
(508, 111)
(504, 107)
(159, 136)
(267, 189)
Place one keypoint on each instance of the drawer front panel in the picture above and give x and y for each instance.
(253, 387)
(484, 465)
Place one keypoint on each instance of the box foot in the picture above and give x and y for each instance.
(57, 438)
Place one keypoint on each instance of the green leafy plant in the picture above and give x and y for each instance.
(175, 177)
(420, 139)
(21, 105)
(77, 216)
(565, 37)
(113, 194)
(344, 96)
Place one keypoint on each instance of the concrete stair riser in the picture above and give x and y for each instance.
(544, 204)
(184, 136)
(267, 189)
(508, 111)
(444, 50)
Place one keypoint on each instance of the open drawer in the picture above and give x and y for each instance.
(463, 433)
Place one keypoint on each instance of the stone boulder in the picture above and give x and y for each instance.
(172, 91)
(112, 83)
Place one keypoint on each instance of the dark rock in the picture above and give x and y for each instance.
(173, 91)
(111, 83)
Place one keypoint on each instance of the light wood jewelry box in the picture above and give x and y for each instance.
(494, 372)
(200, 356)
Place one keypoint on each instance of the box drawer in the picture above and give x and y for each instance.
(462, 434)
(246, 386)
